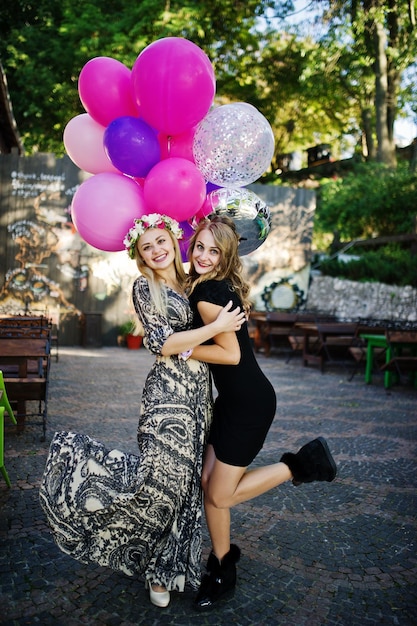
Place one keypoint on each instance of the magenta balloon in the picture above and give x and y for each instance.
(176, 188)
(173, 84)
(204, 210)
(178, 145)
(105, 90)
(132, 146)
(83, 141)
(104, 207)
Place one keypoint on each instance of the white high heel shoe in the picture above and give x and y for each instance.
(158, 598)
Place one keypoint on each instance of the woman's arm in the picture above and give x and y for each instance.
(226, 350)
(222, 321)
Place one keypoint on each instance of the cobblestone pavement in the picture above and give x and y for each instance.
(319, 554)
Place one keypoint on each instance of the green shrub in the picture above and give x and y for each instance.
(390, 265)
(368, 202)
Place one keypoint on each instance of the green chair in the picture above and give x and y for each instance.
(4, 405)
(4, 400)
(2, 468)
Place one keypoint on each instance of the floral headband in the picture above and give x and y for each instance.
(153, 220)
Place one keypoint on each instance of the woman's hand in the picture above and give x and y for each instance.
(229, 320)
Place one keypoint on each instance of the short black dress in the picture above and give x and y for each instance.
(246, 402)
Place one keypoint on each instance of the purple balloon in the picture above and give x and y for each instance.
(132, 146)
(211, 187)
(184, 242)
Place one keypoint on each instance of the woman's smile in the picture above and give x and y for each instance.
(205, 255)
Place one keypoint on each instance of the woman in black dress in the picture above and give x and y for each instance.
(243, 410)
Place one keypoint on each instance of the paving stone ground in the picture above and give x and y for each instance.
(321, 554)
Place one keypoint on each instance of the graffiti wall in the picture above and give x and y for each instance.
(47, 268)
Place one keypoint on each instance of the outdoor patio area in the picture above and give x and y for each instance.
(342, 553)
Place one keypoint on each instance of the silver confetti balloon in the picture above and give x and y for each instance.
(233, 145)
(248, 211)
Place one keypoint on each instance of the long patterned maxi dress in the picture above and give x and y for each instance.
(139, 514)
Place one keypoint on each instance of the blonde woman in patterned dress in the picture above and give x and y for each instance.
(142, 514)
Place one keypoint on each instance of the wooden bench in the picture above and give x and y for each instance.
(401, 354)
(329, 342)
(279, 330)
(25, 363)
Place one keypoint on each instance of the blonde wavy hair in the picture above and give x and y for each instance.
(230, 268)
(156, 286)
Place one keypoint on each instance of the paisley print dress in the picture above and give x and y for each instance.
(139, 514)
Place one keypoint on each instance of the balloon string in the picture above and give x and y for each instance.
(169, 137)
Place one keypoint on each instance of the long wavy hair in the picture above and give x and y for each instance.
(156, 286)
(230, 267)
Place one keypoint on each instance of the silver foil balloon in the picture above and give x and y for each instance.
(250, 214)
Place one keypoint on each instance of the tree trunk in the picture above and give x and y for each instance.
(386, 145)
(368, 144)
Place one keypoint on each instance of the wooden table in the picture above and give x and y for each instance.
(309, 330)
(19, 351)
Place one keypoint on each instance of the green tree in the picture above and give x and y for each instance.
(312, 89)
(383, 45)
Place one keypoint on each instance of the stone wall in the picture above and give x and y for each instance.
(349, 300)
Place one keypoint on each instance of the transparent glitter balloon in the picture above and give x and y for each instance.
(233, 145)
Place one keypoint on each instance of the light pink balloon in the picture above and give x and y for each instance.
(175, 187)
(83, 141)
(173, 84)
(178, 145)
(104, 207)
(105, 90)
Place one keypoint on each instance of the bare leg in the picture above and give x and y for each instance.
(218, 520)
(230, 485)
(226, 485)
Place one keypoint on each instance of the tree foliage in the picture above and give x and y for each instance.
(382, 44)
(314, 86)
(43, 48)
(372, 201)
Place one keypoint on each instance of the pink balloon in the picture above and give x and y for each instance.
(175, 187)
(105, 90)
(173, 84)
(83, 141)
(204, 210)
(104, 207)
(178, 145)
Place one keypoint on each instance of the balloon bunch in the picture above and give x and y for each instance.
(154, 144)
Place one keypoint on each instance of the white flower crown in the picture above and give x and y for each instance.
(153, 220)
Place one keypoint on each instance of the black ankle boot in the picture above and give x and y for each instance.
(312, 462)
(220, 580)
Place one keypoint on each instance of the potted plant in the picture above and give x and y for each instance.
(129, 336)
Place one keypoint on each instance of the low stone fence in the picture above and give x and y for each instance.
(350, 300)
